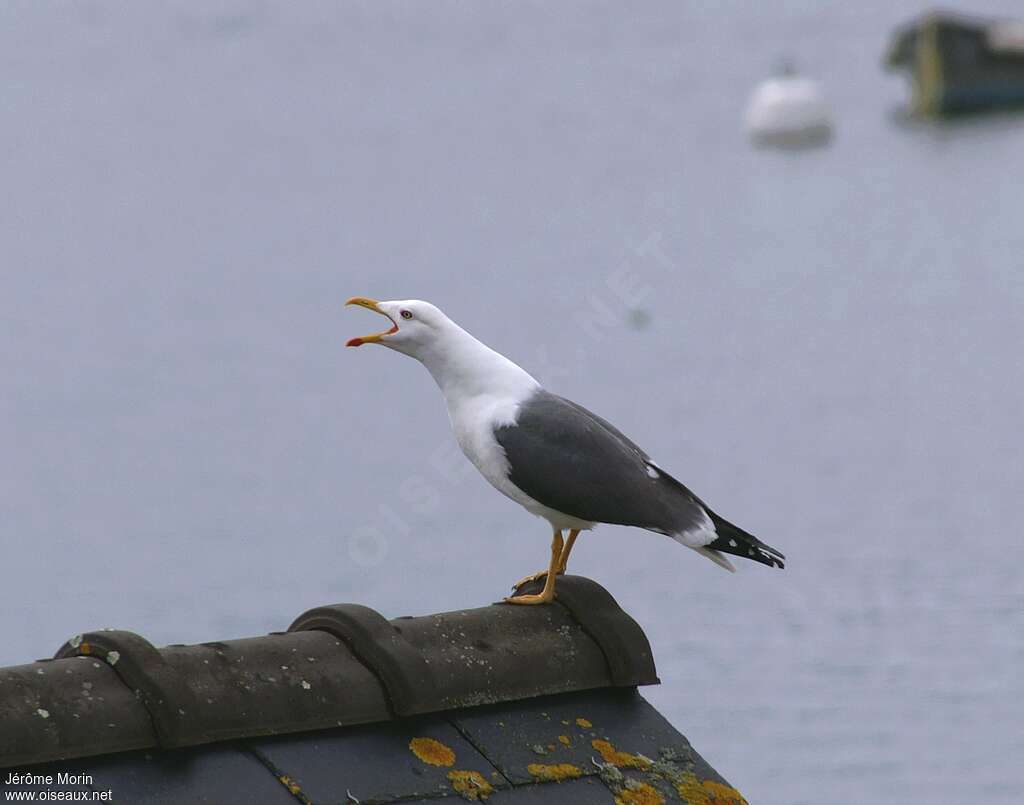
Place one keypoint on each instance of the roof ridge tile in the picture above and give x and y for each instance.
(337, 666)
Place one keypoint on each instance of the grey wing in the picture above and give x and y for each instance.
(572, 461)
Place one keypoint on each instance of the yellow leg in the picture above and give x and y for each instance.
(563, 560)
(547, 595)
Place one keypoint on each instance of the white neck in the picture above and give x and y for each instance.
(464, 367)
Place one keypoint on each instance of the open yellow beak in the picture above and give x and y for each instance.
(370, 304)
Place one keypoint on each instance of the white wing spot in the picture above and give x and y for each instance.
(651, 471)
(732, 543)
(700, 534)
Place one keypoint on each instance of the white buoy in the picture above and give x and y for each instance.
(789, 110)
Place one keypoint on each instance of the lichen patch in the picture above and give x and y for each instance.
(432, 752)
(638, 793)
(293, 787)
(553, 773)
(623, 760)
(723, 794)
(707, 792)
(470, 785)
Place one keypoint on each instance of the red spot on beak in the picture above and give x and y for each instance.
(354, 342)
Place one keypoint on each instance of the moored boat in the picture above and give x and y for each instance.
(960, 64)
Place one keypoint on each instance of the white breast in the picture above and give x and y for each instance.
(483, 390)
(473, 424)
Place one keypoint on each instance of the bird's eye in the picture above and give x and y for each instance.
(406, 314)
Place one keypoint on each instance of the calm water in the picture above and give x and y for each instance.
(831, 355)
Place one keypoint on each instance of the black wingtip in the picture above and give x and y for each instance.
(734, 540)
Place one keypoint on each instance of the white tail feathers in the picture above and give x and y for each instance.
(714, 556)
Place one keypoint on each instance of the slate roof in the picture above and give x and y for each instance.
(506, 704)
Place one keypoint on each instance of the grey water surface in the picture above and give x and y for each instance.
(826, 345)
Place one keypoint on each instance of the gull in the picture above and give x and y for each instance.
(550, 455)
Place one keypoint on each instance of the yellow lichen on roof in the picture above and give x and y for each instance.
(294, 790)
(637, 793)
(622, 760)
(582, 722)
(563, 739)
(707, 792)
(470, 785)
(723, 794)
(432, 752)
(290, 784)
(554, 773)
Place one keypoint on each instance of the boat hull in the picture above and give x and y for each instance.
(960, 65)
